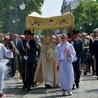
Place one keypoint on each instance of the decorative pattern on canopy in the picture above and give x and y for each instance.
(35, 21)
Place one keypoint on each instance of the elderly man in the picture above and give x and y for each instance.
(15, 62)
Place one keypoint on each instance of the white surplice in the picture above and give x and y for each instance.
(66, 73)
(7, 53)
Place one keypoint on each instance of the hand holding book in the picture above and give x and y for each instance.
(67, 51)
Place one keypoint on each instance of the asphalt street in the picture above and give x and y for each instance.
(88, 89)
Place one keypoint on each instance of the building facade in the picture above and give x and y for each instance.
(69, 6)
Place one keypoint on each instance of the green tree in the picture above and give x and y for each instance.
(10, 12)
(96, 0)
(86, 16)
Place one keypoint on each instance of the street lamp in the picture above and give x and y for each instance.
(22, 7)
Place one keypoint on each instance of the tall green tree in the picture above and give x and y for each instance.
(12, 18)
(86, 16)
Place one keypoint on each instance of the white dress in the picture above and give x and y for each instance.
(66, 73)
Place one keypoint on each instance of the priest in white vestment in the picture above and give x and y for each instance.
(65, 54)
(3, 53)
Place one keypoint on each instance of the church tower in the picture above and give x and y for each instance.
(68, 6)
(65, 7)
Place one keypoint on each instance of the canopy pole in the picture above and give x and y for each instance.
(33, 31)
(70, 32)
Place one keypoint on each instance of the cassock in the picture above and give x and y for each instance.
(66, 73)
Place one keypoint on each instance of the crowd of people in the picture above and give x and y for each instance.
(50, 59)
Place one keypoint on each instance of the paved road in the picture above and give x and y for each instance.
(88, 89)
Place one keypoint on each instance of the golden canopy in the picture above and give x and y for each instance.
(35, 21)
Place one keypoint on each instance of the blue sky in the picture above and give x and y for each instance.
(52, 7)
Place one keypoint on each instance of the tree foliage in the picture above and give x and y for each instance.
(96, 0)
(10, 12)
(86, 16)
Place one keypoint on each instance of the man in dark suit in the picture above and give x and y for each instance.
(95, 51)
(17, 62)
(14, 62)
(36, 38)
(78, 45)
(28, 53)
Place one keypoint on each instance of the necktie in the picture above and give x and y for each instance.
(74, 42)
